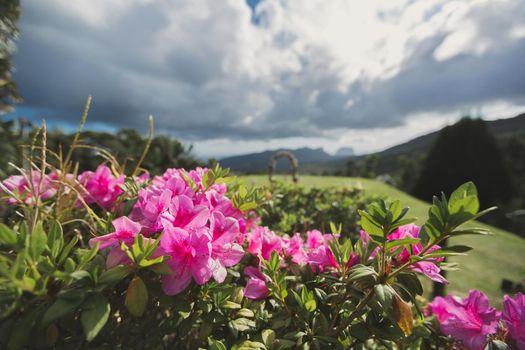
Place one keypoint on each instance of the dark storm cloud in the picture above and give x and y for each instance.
(206, 71)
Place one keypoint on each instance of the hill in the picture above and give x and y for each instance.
(317, 161)
(483, 268)
(254, 163)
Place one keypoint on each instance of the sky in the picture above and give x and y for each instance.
(236, 76)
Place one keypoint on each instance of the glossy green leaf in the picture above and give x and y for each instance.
(94, 316)
(136, 297)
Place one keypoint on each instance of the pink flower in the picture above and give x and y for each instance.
(427, 268)
(225, 251)
(294, 247)
(142, 178)
(513, 317)
(190, 257)
(263, 242)
(315, 239)
(252, 221)
(184, 214)
(469, 320)
(101, 187)
(45, 188)
(149, 209)
(256, 286)
(319, 253)
(172, 180)
(125, 231)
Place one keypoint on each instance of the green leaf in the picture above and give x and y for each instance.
(94, 315)
(384, 294)
(243, 324)
(231, 305)
(67, 249)
(55, 239)
(400, 242)
(245, 313)
(396, 208)
(161, 269)
(136, 297)
(370, 225)
(80, 274)
(362, 274)
(37, 242)
(61, 308)
(440, 253)
(115, 274)
(268, 337)
(411, 282)
(151, 262)
(216, 344)
(457, 248)
(471, 231)
(7, 236)
(464, 199)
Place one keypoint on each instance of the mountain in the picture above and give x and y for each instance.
(258, 162)
(344, 152)
(317, 161)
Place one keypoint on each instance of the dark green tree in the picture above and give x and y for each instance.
(370, 165)
(465, 151)
(9, 13)
(352, 167)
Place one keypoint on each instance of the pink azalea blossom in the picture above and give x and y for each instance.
(319, 254)
(513, 317)
(125, 231)
(262, 242)
(183, 213)
(225, 251)
(44, 188)
(253, 220)
(469, 320)
(190, 257)
(294, 247)
(143, 178)
(427, 268)
(149, 209)
(256, 288)
(101, 187)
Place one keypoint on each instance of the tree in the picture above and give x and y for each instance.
(352, 167)
(9, 13)
(370, 166)
(463, 152)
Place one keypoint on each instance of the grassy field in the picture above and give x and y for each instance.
(495, 257)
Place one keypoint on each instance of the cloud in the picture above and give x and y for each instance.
(302, 70)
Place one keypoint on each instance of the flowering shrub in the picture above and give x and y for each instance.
(103, 259)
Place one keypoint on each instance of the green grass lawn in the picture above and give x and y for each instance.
(495, 257)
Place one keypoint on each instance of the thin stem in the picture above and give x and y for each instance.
(146, 147)
(354, 314)
(77, 134)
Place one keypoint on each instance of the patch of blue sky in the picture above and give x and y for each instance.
(256, 18)
(36, 115)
